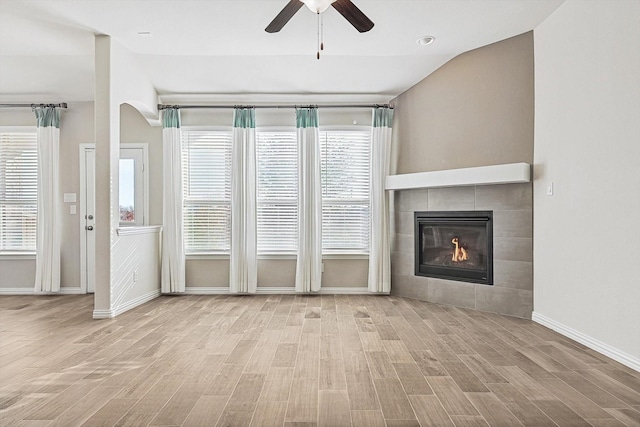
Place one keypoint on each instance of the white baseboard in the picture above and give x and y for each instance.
(362, 290)
(32, 291)
(276, 290)
(136, 302)
(108, 314)
(592, 343)
(190, 290)
(102, 314)
(71, 291)
(17, 291)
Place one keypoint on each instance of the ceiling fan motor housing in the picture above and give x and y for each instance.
(346, 8)
(318, 6)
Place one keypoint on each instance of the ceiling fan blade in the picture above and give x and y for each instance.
(283, 17)
(354, 15)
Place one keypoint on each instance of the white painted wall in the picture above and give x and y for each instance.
(587, 142)
(136, 269)
(119, 80)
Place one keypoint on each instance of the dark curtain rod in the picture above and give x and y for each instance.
(166, 106)
(60, 105)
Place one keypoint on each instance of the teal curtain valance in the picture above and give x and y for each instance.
(171, 118)
(382, 117)
(307, 117)
(244, 118)
(47, 116)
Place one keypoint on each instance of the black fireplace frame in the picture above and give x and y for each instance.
(453, 218)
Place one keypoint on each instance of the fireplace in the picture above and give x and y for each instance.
(455, 245)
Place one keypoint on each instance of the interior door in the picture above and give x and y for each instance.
(133, 202)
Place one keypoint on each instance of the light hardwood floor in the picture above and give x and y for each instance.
(298, 361)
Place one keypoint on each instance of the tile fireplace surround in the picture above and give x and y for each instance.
(512, 291)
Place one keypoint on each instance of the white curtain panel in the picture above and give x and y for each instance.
(48, 233)
(173, 261)
(243, 274)
(379, 240)
(309, 262)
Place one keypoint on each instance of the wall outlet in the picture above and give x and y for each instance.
(550, 189)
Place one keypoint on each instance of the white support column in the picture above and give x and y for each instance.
(107, 140)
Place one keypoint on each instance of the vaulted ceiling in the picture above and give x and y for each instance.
(219, 47)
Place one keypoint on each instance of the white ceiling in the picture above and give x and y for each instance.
(218, 48)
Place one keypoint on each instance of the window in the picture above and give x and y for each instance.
(18, 191)
(132, 184)
(277, 159)
(206, 164)
(345, 191)
(127, 191)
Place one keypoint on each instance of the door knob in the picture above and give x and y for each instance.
(90, 217)
(89, 227)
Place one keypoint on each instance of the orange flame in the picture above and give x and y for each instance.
(459, 254)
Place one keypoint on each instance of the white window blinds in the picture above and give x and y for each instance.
(277, 192)
(18, 191)
(345, 191)
(206, 168)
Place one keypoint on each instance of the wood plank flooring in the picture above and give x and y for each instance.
(297, 360)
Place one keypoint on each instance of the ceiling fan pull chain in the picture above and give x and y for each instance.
(321, 32)
(318, 34)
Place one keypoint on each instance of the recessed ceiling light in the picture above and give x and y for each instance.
(423, 41)
(144, 33)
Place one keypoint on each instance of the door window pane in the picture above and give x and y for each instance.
(127, 191)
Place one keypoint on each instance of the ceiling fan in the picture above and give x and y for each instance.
(347, 9)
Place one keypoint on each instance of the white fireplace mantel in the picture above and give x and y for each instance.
(484, 175)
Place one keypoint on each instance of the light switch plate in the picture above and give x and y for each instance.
(72, 209)
(69, 197)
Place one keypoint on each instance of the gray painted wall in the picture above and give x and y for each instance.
(134, 128)
(76, 127)
(476, 110)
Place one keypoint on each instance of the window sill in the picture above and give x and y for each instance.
(276, 256)
(324, 256)
(345, 256)
(195, 257)
(17, 256)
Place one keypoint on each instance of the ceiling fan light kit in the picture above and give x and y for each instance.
(318, 6)
(346, 8)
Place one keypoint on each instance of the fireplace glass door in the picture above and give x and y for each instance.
(455, 245)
